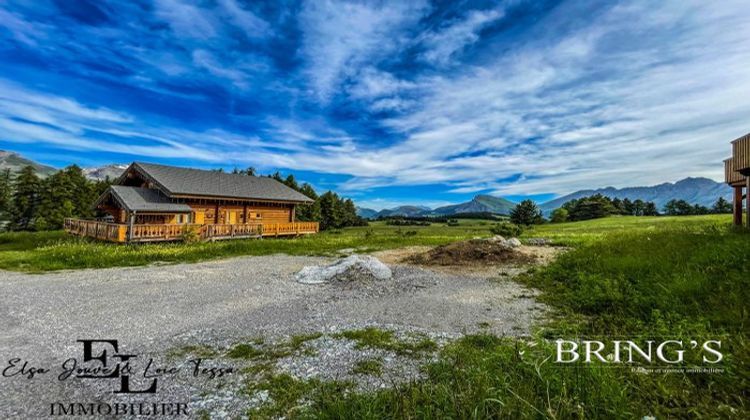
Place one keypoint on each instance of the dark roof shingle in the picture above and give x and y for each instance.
(145, 199)
(187, 181)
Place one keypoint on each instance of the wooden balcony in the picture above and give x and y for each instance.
(741, 153)
(731, 174)
(99, 230)
(116, 232)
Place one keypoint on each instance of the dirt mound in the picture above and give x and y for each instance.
(473, 251)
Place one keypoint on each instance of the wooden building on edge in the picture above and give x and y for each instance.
(737, 175)
(151, 202)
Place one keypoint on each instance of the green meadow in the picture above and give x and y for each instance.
(627, 278)
(47, 251)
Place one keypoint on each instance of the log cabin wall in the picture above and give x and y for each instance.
(205, 213)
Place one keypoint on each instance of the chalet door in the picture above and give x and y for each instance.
(200, 217)
(231, 217)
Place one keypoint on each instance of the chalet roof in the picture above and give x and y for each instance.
(144, 199)
(195, 182)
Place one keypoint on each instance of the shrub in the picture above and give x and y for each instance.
(507, 229)
(559, 215)
(406, 222)
(190, 234)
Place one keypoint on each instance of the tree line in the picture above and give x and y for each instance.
(597, 206)
(328, 209)
(28, 202)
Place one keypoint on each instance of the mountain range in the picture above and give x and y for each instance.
(701, 191)
(100, 173)
(14, 162)
(478, 204)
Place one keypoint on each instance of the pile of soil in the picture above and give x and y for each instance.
(473, 251)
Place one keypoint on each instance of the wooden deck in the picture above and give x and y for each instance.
(738, 166)
(116, 232)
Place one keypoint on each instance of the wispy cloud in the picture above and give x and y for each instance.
(519, 98)
(453, 36)
(340, 37)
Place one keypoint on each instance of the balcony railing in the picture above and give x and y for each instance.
(118, 232)
(99, 230)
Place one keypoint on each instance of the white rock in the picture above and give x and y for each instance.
(513, 243)
(314, 274)
(496, 238)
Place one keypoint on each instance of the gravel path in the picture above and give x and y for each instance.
(151, 310)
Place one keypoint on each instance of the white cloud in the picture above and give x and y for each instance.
(23, 31)
(442, 44)
(578, 112)
(340, 37)
(207, 61)
(252, 25)
(644, 93)
(187, 20)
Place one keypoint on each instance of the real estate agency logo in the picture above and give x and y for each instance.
(103, 360)
(648, 356)
(108, 363)
(112, 365)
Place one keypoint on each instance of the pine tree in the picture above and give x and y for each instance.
(627, 207)
(6, 194)
(309, 212)
(83, 192)
(25, 199)
(650, 209)
(291, 182)
(349, 213)
(638, 207)
(330, 214)
(722, 206)
(526, 213)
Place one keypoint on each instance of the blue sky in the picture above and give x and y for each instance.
(386, 102)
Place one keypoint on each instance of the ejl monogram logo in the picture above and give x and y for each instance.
(113, 365)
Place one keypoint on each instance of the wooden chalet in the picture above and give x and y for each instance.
(151, 202)
(737, 175)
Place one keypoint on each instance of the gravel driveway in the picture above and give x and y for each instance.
(153, 309)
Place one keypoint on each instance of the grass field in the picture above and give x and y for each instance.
(638, 279)
(45, 251)
(682, 278)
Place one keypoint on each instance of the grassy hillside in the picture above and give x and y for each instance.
(588, 231)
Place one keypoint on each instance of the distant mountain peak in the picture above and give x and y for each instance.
(100, 173)
(694, 190)
(15, 162)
